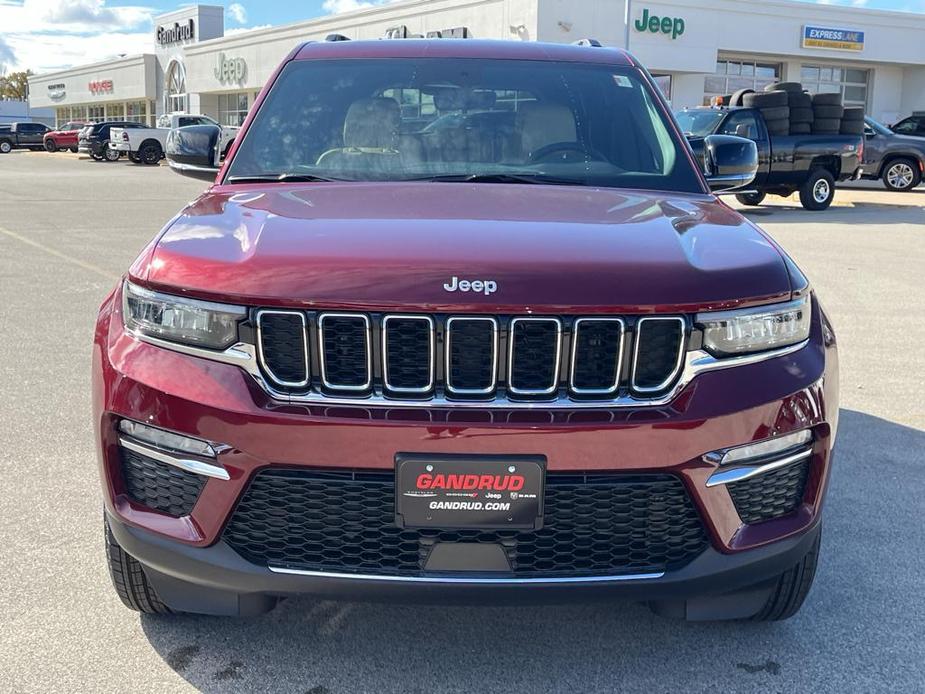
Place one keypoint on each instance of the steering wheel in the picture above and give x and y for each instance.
(563, 148)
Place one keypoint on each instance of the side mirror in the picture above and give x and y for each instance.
(729, 162)
(193, 151)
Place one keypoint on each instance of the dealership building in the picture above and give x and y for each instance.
(695, 49)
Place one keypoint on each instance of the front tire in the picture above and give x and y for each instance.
(110, 154)
(74, 149)
(129, 580)
(818, 191)
(752, 199)
(901, 175)
(5, 147)
(51, 146)
(791, 588)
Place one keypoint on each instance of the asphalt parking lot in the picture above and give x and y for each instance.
(69, 227)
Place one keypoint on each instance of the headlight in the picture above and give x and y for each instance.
(177, 319)
(756, 329)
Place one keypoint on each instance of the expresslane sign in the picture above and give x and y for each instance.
(838, 39)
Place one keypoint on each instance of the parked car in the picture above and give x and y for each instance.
(810, 164)
(64, 137)
(368, 364)
(897, 160)
(146, 145)
(94, 140)
(914, 126)
(22, 136)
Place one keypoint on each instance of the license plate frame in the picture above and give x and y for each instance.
(516, 480)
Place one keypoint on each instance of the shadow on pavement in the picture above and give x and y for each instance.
(860, 630)
(858, 213)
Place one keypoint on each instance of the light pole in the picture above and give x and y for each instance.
(626, 23)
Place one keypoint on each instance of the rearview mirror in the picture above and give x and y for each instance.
(729, 162)
(193, 151)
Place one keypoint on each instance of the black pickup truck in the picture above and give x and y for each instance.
(810, 164)
(24, 135)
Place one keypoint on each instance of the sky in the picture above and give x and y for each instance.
(45, 35)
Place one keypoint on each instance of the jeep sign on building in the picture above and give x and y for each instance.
(695, 49)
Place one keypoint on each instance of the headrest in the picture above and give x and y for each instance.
(542, 124)
(372, 123)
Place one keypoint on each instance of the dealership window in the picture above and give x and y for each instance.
(175, 96)
(114, 112)
(135, 112)
(734, 74)
(232, 108)
(663, 82)
(96, 112)
(851, 83)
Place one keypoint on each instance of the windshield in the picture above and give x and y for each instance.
(877, 126)
(699, 122)
(463, 119)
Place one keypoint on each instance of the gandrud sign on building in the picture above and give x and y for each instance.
(177, 33)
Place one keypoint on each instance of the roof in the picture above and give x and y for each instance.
(464, 48)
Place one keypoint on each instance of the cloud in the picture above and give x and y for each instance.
(7, 58)
(50, 52)
(237, 12)
(244, 30)
(45, 35)
(77, 16)
(338, 6)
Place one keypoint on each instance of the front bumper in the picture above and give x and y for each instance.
(217, 580)
(221, 403)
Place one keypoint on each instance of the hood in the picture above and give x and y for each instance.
(396, 245)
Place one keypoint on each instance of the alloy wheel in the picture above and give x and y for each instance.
(900, 175)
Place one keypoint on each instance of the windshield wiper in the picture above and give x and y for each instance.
(538, 178)
(282, 178)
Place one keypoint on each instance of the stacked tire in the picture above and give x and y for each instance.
(774, 106)
(827, 113)
(800, 104)
(852, 121)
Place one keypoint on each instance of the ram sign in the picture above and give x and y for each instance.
(839, 39)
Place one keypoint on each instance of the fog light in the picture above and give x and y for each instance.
(761, 449)
(166, 439)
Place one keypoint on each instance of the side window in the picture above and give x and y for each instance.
(745, 118)
(183, 121)
(906, 127)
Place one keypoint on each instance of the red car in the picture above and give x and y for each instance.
(506, 359)
(64, 137)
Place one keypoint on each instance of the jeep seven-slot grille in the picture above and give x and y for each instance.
(470, 357)
(605, 524)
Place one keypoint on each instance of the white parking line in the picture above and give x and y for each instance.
(58, 254)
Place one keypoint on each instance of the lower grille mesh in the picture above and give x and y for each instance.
(344, 522)
(771, 495)
(160, 486)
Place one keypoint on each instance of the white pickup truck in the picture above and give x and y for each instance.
(146, 145)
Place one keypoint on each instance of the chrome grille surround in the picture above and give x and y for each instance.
(385, 353)
(619, 365)
(244, 355)
(556, 363)
(369, 352)
(682, 348)
(494, 363)
(258, 317)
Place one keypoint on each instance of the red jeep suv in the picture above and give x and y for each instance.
(463, 320)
